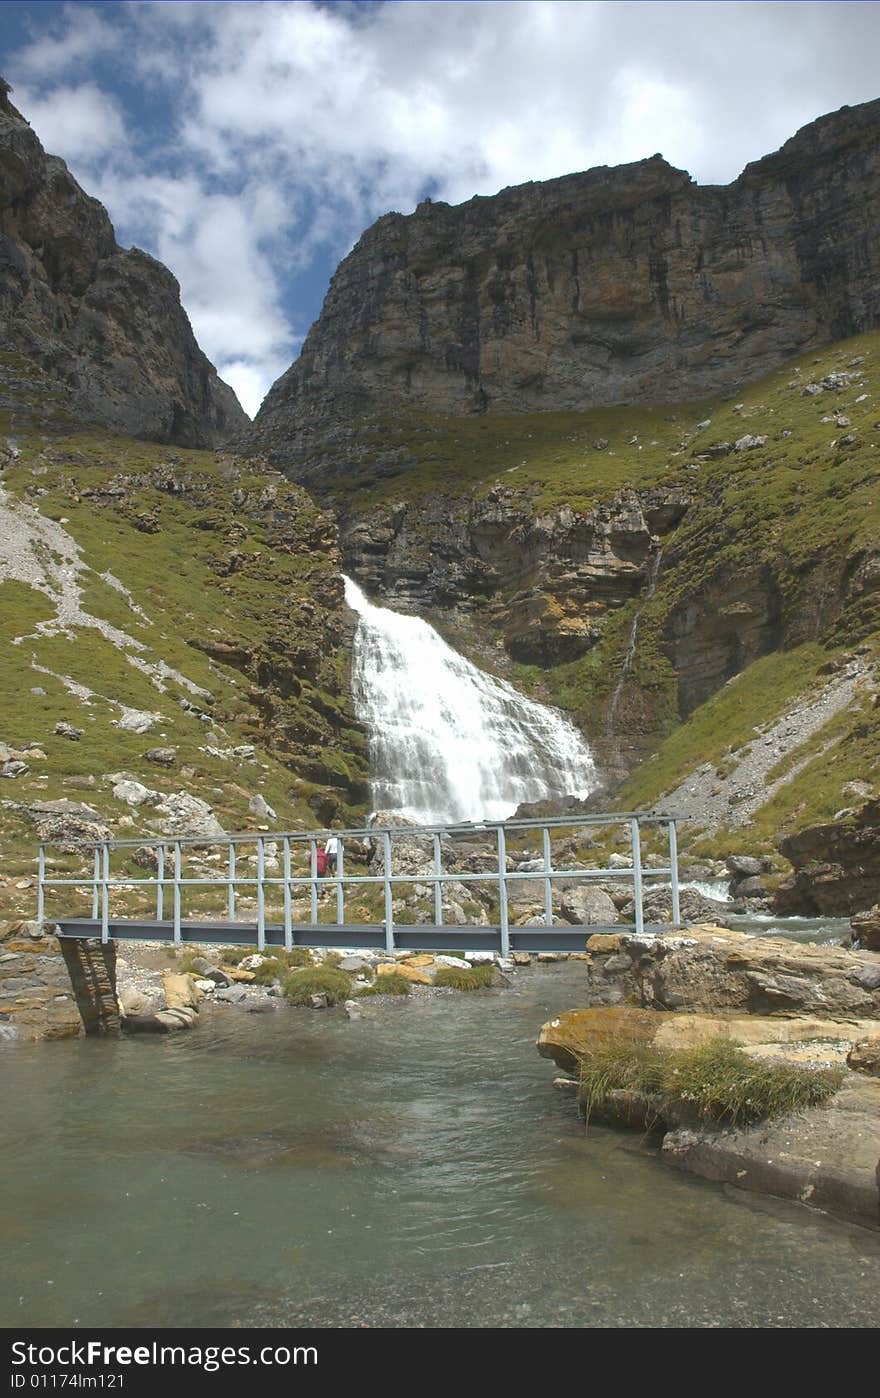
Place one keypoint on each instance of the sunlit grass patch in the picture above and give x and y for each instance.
(300, 986)
(390, 983)
(465, 978)
(715, 1081)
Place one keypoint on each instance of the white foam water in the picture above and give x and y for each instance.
(449, 742)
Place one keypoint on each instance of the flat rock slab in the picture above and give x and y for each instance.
(828, 1157)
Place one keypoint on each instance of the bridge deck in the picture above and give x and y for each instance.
(354, 936)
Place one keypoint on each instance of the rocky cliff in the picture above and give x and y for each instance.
(629, 284)
(104, 323)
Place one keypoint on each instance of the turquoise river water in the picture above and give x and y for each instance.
(413, 1168)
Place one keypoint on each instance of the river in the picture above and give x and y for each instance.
(414, 1168)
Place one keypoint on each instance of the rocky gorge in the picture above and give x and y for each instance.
(616, 436)
(604, 432)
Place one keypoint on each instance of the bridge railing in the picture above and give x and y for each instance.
(274, 874)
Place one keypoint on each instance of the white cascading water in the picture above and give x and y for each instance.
(447, 741)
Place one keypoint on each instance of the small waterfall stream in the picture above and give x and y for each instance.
(448, 741)
(629, 654)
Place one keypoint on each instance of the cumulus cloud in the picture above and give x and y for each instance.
(78, 123)
(292, 125)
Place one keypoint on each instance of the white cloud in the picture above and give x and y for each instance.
(296, 124)
(82, 34)
(78, 123)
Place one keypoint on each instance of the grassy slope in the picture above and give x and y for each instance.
(176, 577)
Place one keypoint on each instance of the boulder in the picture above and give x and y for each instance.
(219, 977)
(866, 929)
(134, 793)
(750, 888)
(180, 1017)
(181, 991)
(137, 720)
(67, 730)
(864, 1056)
(201, 964)
(586, 906)
(411, 973)
(163, 757)
(602, 943)
(259, 807)
(836, 865)
(231, 994)
(657, 906)
(410, 854)
(713, 968)
(353, 964)
(743, 866)
(66, 824)
(134, 1002)
(186, 815)
(565, 1037)
(146, 857)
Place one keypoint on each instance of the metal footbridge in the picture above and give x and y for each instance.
(270, 876)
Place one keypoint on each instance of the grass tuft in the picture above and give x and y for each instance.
(467, 978)
(715, 1081)
(300, 986)
(391, 983)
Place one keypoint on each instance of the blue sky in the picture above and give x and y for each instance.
(247, 145)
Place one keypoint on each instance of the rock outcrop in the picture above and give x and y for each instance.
(708, 969)
(37, 1000)
(104, 324)
(826, 1154)
(836, 865)
(552, 576)
(627, 284)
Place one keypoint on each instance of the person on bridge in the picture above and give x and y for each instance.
(331, 849)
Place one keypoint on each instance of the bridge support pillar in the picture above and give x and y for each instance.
(91, 965)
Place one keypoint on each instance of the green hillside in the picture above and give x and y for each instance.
(193, 586)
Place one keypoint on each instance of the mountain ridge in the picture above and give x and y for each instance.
(619, 284)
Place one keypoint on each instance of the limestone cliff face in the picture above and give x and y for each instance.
(104, 323)
(543, 583)
(615, 285)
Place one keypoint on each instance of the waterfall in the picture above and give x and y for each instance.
(447, 741)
